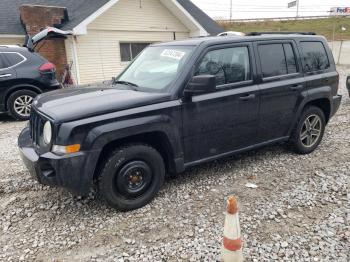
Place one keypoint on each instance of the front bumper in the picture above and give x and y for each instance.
(74, 171)
(336, 100)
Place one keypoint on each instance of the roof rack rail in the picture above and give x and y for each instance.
(280, 33)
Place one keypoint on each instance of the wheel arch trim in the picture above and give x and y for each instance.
(314, 95)
(158, 131)
(19, 87)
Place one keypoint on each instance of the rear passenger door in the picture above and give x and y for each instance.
(6, 70)
(282, 83)
(7, 73)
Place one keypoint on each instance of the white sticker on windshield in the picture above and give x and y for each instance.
(175, 54)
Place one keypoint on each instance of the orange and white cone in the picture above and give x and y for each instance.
(232, 244)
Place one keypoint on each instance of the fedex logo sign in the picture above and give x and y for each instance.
(340, 11)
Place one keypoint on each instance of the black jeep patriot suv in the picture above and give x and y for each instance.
(180, 104)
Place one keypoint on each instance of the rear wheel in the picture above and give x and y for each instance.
(19, 104)
(309, 130)
(131, 177)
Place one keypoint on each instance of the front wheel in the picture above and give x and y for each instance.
(19, 104)
(309, 130)
(131, 177)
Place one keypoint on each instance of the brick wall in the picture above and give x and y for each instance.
(34, 19)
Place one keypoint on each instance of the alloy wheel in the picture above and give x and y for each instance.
(311, 130)
(23, 105)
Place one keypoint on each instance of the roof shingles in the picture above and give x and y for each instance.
(79, 10)
(202, 18)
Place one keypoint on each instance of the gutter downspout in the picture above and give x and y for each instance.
(75, 59)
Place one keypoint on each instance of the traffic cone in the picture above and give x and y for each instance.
(232, 244)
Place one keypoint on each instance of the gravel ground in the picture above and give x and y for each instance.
(299, 212)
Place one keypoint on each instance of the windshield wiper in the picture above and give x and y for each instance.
(127, 84)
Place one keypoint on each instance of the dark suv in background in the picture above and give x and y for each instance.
(24, 74)
(180, 104)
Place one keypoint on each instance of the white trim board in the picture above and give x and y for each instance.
(12, 36)
(75, 59)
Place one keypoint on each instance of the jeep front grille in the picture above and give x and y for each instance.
(36, 125)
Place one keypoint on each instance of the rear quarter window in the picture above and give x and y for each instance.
(13, 59)
(314, 56)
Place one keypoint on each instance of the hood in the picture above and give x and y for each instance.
(72, 104)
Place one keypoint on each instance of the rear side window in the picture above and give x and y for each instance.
(290, 59)
(314, 56)
(2, 62)
(13, 58)
(277, 59)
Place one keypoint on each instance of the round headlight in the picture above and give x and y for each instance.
(47, 133)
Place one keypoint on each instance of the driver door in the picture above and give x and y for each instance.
(221, 122)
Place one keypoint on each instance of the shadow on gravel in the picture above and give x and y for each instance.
(239, 161)
(6, 118)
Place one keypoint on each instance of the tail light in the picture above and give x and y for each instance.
(47, 67)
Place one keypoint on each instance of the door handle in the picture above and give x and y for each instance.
(296, 87)
(247, 97)
(6, 75)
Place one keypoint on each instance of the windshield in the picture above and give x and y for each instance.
(156, 67)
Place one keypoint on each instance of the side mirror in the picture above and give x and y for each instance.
(348, 82)
(201, 84)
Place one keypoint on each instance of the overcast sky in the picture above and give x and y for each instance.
(267, 8)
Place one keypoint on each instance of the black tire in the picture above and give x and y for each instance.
(122, 192)
(12, 100)
(298, 144)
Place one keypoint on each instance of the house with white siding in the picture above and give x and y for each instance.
(106, 34)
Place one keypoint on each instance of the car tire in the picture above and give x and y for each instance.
(131, 177)
(19, 104)
(309, 130)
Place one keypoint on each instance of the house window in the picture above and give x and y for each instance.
(128, 51)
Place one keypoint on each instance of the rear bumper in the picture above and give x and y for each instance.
(74, 172)
(51, 85)
(336, 100)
